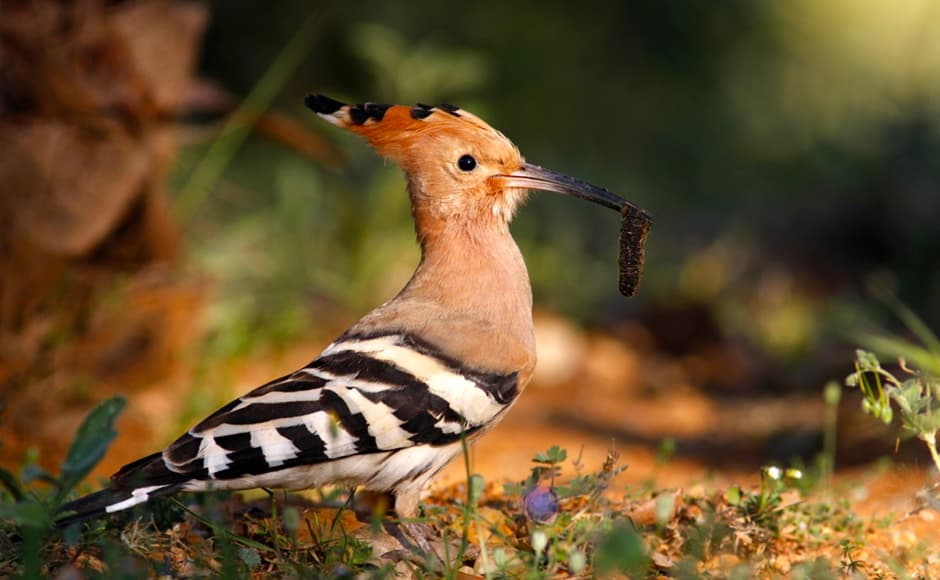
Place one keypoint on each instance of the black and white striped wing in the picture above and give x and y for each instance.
(362, 395)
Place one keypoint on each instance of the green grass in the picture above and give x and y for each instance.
(27, 514)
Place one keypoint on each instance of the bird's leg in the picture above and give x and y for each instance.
(421, 533)
(421, 552)
(406, 508)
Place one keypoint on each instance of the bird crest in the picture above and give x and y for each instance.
(396, 130)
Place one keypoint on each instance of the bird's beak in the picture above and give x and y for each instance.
(534, 177)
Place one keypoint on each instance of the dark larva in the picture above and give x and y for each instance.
(633, 229)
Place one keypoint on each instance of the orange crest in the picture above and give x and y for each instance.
(396, 130)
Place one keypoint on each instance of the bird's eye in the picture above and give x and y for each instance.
(467, 163)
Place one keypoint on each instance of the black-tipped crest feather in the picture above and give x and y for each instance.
(323, 105)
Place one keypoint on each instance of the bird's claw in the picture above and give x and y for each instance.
(423, 553)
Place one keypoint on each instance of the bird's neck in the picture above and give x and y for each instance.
(470, 296)
(473, 267)
(475, 274)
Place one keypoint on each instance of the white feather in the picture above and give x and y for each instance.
(138, 496)
(337, 440)
(276, 448)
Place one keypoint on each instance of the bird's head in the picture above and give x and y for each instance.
(458, 167)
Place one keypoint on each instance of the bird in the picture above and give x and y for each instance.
(395, 397)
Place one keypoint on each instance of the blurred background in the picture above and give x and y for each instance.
(176, 227)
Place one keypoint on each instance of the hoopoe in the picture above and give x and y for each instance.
(387, 404)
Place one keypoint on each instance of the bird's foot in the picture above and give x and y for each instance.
(423, 552)
(422, 534)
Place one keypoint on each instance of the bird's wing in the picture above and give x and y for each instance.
(364, 394)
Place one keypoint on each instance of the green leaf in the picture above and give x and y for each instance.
(249, 556)
(622, 550)
(291, 519)
(555, 454)
(908, 397)
(90, 444)
(867, 360)
(477, 486)
(27, 514)
(932, 423)
(32, 472)
(8, 481)
(577, 486)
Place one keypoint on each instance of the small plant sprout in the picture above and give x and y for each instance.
(553, 458)
(576, 562)
(539, 541)
(763, 507)
(665, 507)
(788, 476)
(832, 394)
(875, 401)
(917, 398)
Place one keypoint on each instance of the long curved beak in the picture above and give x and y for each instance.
(532, 176)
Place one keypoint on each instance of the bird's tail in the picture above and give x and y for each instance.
(134, 484)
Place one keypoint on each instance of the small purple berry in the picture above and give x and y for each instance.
(541, 503)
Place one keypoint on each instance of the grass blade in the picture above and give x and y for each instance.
(917, 326)
(240, 122)
(891, 347)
